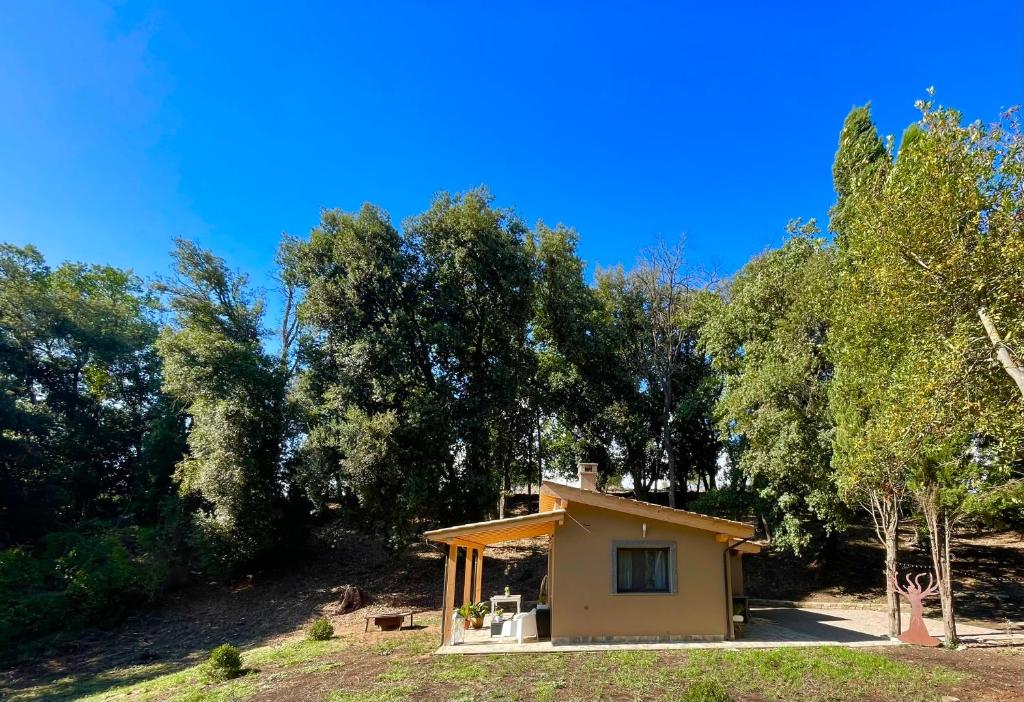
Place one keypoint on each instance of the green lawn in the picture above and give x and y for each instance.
(398, 667)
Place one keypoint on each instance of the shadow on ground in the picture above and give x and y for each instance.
(989, 573)
(811, 626)
(264, 608)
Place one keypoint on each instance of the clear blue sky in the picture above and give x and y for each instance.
(124, 126)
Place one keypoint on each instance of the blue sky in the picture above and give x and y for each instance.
(123, 126)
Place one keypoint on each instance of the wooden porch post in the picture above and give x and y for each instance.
(730, 628)
(449, 594)
(478, 585)
(467, 578)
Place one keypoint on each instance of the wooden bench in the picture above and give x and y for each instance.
(388, 621)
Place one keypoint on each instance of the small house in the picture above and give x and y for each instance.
(619, 570)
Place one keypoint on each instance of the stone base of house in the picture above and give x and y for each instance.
(674, 638)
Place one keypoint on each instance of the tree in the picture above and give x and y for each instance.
(668, 290)
(80, 396)
(932, 245)
(233, 393)
(767, 333)
(422, 338)
(865, 339)
(477, 294)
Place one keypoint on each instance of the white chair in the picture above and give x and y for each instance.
(458, 629)
(524, 626)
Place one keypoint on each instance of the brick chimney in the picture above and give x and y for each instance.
(588, 476)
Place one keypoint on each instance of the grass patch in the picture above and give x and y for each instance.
(547, 691)
(394, 669)
(812, 674)
(293, 652)
(459, 669)
(398, 671)
(382, 694)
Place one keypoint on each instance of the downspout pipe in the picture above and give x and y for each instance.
(725, 581)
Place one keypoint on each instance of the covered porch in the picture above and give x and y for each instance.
(466, 544)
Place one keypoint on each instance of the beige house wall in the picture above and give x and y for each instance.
(584, 606)
(736, 563)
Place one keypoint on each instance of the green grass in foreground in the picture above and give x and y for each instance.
(397, 668)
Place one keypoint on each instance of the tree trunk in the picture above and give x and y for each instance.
(529, 457)
(504, 492)
(885, 513)
(1013, 367)
(540, 455)
(938, 522)
(892, 598)
(667, 436)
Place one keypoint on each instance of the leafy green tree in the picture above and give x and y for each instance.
(865, 341)
(931, 264)
(87, 447)
(478, 288)
(417, 359)
(766, 333)
(234, 394)
(584, 374)
(601, 373)
(668, 289)
(80, 395)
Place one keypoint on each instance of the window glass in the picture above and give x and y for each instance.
(642, 569)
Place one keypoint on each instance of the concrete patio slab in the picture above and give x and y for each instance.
(782, 627)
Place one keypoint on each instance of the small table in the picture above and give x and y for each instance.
(517, 600)
(388, 621)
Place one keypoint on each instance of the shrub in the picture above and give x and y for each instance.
(320, 631)
(224, 663)
(706, 691)
(90, 575)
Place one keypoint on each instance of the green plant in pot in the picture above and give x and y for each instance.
(473, 614)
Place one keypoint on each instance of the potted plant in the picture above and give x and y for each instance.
(507, 591)
(498, 613)
(473, 614)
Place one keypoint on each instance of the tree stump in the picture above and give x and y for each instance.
(351, 599)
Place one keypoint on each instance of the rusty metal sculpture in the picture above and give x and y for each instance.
(917, 632)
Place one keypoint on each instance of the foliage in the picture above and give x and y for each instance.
(87, 447)
(667, 291)
(766, 333)
(930, 261)
(473, 610)
(85, 432)
(224, 663)
(602, 384)
(91, 575)
(725, 502)
(320, 630)
(234, 395)
(415, 359)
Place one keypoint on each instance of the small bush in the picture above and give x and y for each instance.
(225, 662)
(706, 691)
(320, 631)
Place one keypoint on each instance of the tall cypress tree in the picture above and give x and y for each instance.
(861, 152)
(859, 338)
